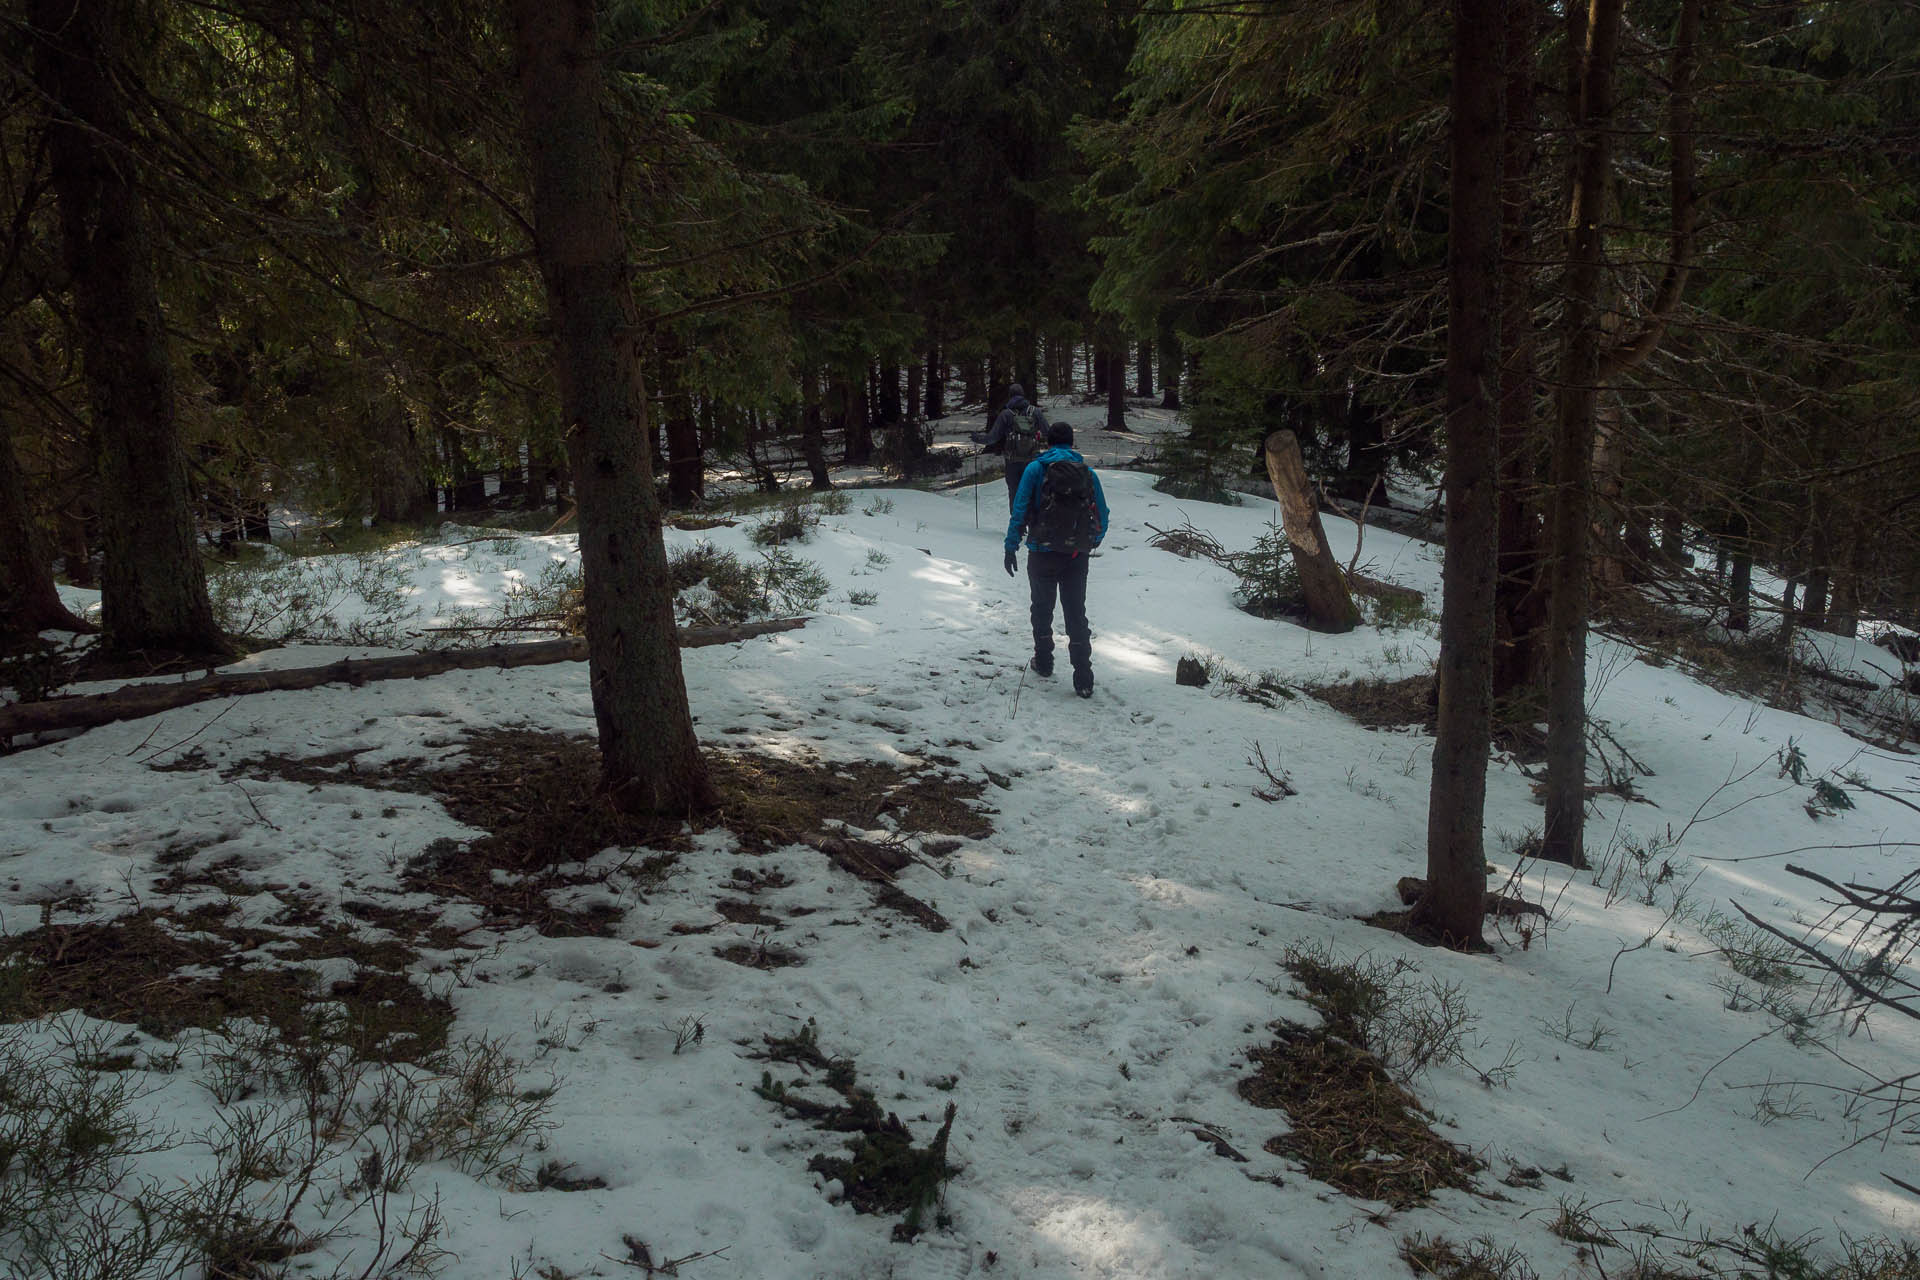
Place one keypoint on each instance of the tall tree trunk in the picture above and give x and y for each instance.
(1740, 582)
(1454, 903)
(936, 385)
(1102, 365)
(686, 468)
(28, 601)
(1593, 38)
(1117, 389)
(649, 757)
(763, 478)
(889, 407)
(1849, 581)
(76, 550)
(1366, 451)
(1519, 605)
(858, 428)
(973, 381)
(402, 491)
(534, 496)
(1170, 358)
(153, 588)
(915, 375)
(1612, 568)
(1609, 554)
(1143, 370)
(1026, 362)
(813, 436)
(1672, 545)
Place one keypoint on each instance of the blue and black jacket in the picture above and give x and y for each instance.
(1030, 489)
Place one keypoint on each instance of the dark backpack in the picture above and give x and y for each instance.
(1065, 516)
(1026, 438)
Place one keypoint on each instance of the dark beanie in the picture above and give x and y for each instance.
(1059, 433)
(1016, 392)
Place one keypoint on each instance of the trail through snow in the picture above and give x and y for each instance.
(1117, 938)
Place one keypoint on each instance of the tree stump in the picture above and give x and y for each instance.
(1329, 604)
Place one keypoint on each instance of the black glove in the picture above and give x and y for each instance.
(1013, 563)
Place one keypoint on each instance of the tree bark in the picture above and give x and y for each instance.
(1594, 37)
(650, 758)
(1026, 362)
(1519, 606)
(1170, 359)
(1329, 603)
(1117, 390)
(29, 603)
(936, 385)
(1848, 581)
(1454, 903)
(686, 468)
(132, 701)
(1366, 469)
(850, 391)
(1611, 564)
(402, 493)
(1740, 581)
(1143, 370)
(813, 437)
(153, 588)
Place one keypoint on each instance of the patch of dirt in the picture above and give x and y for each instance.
(164, 972)
(760, 955)
(746, 913)
(768, 801)
(1353, 1127)
(537, 796)
(332, 768)
(1384, 704)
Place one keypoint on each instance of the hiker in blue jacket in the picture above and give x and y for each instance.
(1063, 512)
(1016, 433)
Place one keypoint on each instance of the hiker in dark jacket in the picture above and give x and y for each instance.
(1019, 447)
(1057, 569)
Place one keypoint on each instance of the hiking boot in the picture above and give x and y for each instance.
(1042, 667)
(1083, 683)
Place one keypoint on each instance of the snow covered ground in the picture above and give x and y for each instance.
(1117, 939)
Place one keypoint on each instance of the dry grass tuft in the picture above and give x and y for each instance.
(1352, 1126)
(1440, 1258)
(1384, 704)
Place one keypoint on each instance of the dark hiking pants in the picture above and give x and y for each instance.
(1052, 573)
(1014, 471)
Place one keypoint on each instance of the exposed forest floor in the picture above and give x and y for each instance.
(966, 976)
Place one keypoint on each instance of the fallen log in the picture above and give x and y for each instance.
(129, 702)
